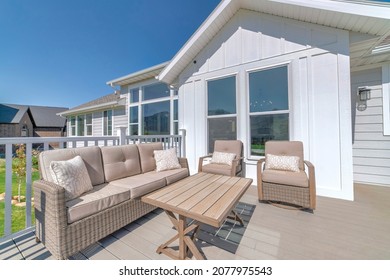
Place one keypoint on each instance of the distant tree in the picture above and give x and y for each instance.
(19, 167)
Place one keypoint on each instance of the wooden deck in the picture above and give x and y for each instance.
(338, 229)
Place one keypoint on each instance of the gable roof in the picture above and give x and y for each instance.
(47, 116)
(105, 102)
(357, 16)
(41, 116)
(12, 113)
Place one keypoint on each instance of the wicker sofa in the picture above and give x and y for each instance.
(120, 175)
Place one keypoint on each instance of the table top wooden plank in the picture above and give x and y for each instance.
(193, 193)
(220, 209)
(213, 196)
(167, 193)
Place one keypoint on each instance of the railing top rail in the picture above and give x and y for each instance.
(15, 140)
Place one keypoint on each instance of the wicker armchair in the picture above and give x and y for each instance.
(286, 187)
(224, 146)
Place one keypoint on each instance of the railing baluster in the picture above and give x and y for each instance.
(8, 190)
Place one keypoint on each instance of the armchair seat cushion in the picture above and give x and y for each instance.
(282, 177)
(215, 168)
(99, 198)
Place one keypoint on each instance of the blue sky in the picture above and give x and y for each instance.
(62, 53)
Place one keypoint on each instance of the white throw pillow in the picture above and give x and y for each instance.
(287, 163)
(166, 159)
(72, 175)
(223, 158)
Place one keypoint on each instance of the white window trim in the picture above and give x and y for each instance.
(386, 98)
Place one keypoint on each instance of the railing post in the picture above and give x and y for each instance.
(121, 132)
(182, 133)
(29, 156)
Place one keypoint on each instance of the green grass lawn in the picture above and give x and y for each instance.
(18, 212)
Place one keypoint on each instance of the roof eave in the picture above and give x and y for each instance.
(144, 74)
(181, 59)
(108, 105)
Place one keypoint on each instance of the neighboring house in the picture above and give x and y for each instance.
(15, 121)
(99, 117)
(31, 121)
(257, 70)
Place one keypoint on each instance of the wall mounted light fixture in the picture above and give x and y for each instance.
(363, 94)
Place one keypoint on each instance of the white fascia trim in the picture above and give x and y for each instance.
(136, 74)
(108, 105)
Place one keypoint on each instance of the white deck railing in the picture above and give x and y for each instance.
(46, 143)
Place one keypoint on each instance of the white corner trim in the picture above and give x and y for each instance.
(386, 98)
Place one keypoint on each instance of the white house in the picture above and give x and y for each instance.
(279, 69)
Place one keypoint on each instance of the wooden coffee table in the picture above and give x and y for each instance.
(205, 198)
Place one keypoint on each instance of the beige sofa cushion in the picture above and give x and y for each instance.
(138, 185)
(120, 161)
(100, 198)
(148, 163)
(298, 179)
(171, 176)
(91, 156)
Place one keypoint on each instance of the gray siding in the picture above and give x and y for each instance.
(371, 149)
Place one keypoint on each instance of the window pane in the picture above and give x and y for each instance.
(89, 130)
(268, 90)
(80, 125)
(176, 128)
(221, 129)
(156, 91)
(222, 96)
(88, 118)
(156, 118)
(134, 114)
(73, 120)
(267, 127)
(175, 110)
(134, 95)
(134, 129)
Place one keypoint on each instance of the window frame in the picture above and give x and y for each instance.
(222, 116)
(279, 112)
(173, 96)
(105, 129)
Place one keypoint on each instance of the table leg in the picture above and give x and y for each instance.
(186, 243)
(236, 217)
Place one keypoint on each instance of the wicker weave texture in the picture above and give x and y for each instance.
(289, 194)
(63, 239)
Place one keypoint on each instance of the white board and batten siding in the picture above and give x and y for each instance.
(318, 60)
(371, 147)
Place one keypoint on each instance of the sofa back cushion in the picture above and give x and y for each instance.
(91, 156)
(120, 161)
(148, 163)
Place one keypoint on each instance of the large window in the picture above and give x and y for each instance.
(73, 126)
(155, 113)
(81, 125)
(107, 123)
(222, 119)
(268, 107)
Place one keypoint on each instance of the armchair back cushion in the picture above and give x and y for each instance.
(120, 161)
(146, 153)
(228, 146)
(91, 156)
(286, 148)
